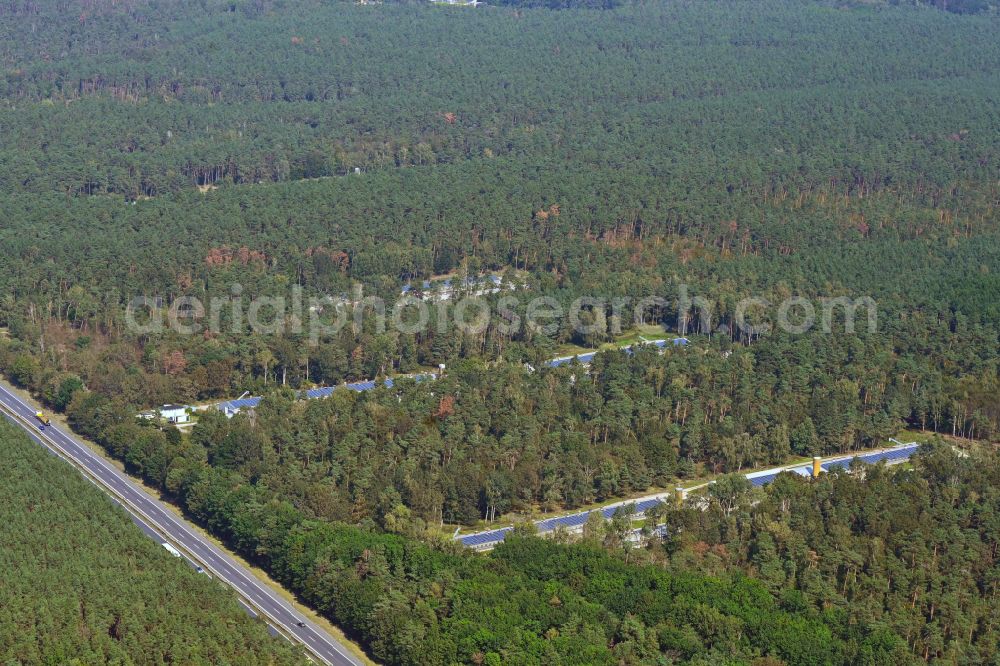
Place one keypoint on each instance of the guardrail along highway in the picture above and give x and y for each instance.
(174, 530)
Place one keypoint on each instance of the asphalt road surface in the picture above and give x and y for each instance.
(153, 513)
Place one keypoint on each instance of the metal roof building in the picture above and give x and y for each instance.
(573, 522)
(231, 407)
(588, 358)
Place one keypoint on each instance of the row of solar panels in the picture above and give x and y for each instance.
(587, 358)
(323, 392)
(889, 455)
(493, 537)
(571, 521)
(326, 391)
(767, 476)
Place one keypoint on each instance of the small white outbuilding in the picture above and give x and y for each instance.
(176, 413)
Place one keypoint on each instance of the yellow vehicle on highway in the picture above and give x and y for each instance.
(43, 419)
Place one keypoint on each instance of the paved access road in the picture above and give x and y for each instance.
(154, 513)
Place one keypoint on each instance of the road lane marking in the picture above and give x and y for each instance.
(54, 436)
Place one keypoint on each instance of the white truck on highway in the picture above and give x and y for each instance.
(170, 549)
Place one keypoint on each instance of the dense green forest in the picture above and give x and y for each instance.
(609, 149)
(485, 440)
(739, 148)
(913, 552)
(829, 568)
(80, 584)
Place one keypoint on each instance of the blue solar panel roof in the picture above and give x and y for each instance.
(242, 403)
(763, 480)
(646, 505)
(320, 392)
(494, 537)
(589, 356)
(890, 455)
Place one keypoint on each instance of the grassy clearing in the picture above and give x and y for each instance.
(645, 333)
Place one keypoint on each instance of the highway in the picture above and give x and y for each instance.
(155, 514)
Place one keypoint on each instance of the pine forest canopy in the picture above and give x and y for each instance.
(80, 584)
(613, 149)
